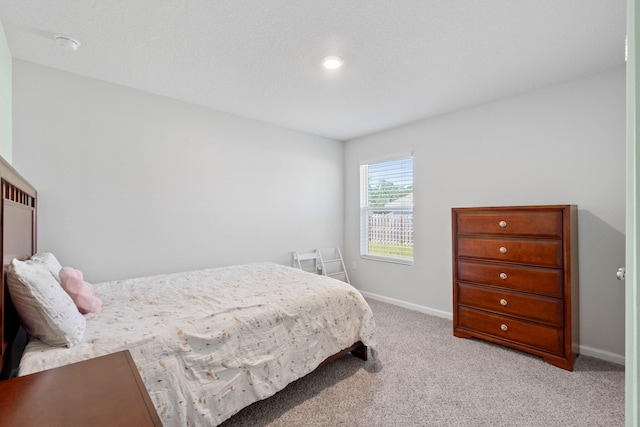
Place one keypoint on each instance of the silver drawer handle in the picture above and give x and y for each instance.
(503, 301)
(504, 327)
(503, 276)
(502, 224)
(503, 250)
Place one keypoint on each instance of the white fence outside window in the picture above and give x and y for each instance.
(390, 229)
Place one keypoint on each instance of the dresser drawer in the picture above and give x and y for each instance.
(543, 281)
(531, 307)
(535, 335)
(534, 252)
(543, 223)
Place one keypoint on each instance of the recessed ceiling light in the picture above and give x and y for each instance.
(332, 62)
(67, 43)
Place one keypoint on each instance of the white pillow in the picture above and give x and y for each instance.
(46, 310)
(50, 261)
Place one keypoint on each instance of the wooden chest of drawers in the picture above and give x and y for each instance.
(515, 278)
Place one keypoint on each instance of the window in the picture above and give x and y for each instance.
(386, 210)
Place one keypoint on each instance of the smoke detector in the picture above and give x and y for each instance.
(67, 43)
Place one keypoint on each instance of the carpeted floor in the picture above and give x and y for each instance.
(431, 378)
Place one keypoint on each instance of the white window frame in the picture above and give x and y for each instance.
(398, 170)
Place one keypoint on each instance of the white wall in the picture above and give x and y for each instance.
(132, 184)
(561, 145)
(5, 98)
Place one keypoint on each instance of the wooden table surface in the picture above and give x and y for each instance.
(105, 391)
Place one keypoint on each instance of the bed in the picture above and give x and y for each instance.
(207, 343)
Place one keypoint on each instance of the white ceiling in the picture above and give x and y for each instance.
(405, 60)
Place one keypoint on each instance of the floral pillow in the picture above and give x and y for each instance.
(46, 310)
(50, 262)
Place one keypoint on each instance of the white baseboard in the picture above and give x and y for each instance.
(602, 354)
(408, 305)
(585, 350)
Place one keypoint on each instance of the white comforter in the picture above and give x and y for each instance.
(208, 343)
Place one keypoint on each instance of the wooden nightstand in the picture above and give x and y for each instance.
(105, 391)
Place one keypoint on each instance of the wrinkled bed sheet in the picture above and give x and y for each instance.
(208, 343)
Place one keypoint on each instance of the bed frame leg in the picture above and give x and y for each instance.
(360, 352)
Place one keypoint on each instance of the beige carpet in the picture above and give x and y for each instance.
(431, 378)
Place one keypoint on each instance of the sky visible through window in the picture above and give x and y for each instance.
(398, 172)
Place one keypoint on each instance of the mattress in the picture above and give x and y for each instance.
(207, 343)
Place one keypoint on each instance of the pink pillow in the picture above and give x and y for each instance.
(80, 291)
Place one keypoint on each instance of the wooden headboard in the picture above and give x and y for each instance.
(17, 240)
